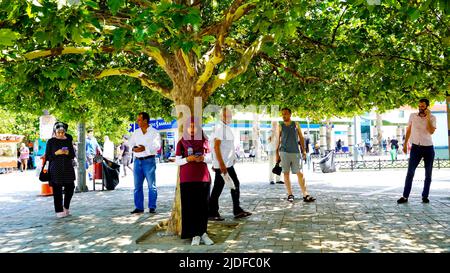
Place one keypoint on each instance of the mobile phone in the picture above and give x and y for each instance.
(64, 148)
(198, 154)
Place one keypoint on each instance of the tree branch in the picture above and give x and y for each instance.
(338, 25)
(239, 68)
(289, 70)
(234, 13)
(63, 51)
(145, 80)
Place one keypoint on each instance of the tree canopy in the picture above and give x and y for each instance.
(113, 58)
(322, 58)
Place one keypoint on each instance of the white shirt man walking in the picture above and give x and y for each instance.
(145, 143)
(272, 146)
(224, 158)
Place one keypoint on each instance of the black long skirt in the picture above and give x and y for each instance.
(194, 208)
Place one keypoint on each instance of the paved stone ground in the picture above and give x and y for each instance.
(354, 212)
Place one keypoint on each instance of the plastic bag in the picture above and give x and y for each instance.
(228, 181)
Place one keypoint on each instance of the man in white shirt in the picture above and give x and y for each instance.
(224, 157)
(271, 150)
(108, 149)
(145, 143)
(420, 128)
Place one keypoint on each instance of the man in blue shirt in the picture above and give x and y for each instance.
(92, 148)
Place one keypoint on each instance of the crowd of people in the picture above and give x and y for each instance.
(199, 195)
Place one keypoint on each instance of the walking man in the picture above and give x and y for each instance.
(223, 163)
(290, 138)
(271, 151)
(145, 143)
(92, 149)
(420, 128)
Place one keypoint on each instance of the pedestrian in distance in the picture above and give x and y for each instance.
(421, 126)
(92, 149)
(125, 155)
(24, 157)
(60, 153)
(272, 144)
(192, 153)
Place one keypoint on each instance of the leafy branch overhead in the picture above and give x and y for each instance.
(322, 58)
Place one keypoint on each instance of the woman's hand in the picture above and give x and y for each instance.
(62, 152)
(191, 158)
(199, 158)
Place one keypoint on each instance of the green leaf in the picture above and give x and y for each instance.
(7, 37)
(193, 19)
(186, 46)
(29, 12)
(209, 39)
(92, 4)
(177, 19)
(114, 5)
(75, 33)
(413, 14)
(118, 37)
(197, 51)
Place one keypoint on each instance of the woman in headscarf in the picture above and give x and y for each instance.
(191, 155)
(59, 152)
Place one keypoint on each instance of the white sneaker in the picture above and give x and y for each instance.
(67, 212)
(60, 214)
(206, 239)
(195, 241)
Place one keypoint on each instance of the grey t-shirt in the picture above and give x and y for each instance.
(289, 138)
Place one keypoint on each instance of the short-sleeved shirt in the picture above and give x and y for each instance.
(125, 147)
(224, 133)
(24, 153)
(289, 138)
(91, 146)
(150, 140)
(193, 171)
(419, 133)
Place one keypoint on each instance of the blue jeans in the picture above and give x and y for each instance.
(145, 169)
(417, 153)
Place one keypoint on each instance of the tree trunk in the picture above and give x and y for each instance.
(448, 121)
(183, 98)
(380, 133)
(81, 157)
(256, 137)
(329, 132)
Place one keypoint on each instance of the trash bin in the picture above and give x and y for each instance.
(327, 163)
(97, 170)
(111, 172)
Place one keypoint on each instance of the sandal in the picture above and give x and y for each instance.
(242, 214)
(216, 218)
(290, 198)
(308, 198)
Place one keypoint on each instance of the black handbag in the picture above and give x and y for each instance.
(277, 169)
(44, 175)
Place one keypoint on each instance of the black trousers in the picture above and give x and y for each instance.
(194, 208)
(58, 196)
(217, 190)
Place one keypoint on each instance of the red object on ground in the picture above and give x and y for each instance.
(97, 170)
(46, 190)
